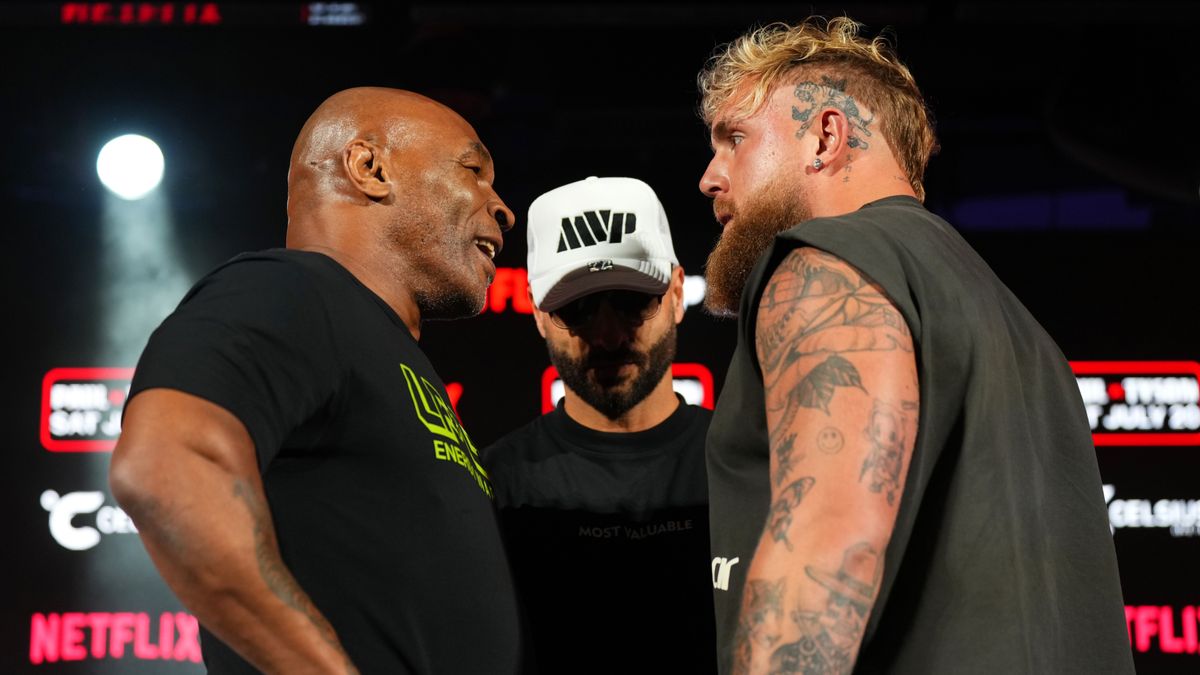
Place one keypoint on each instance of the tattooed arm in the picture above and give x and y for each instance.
(185, 470)
(841, 389)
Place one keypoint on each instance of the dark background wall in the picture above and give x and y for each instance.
(1069, 160)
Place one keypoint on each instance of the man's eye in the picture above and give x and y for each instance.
(474, 169)
(736, 139)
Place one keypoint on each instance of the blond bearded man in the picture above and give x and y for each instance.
(901, 473)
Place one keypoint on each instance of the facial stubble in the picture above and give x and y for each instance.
(450, 295)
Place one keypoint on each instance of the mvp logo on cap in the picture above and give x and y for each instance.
(612, 225)
(593, 227)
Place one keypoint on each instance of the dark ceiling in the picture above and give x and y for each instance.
(1028, 96)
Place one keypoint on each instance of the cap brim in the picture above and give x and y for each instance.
(581, 281)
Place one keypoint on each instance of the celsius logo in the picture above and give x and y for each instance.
(594, 227)
(1140, 403)
(63, 510)
(81, 408)
(1180, 516)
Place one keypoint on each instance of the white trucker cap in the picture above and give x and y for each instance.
(597, 234)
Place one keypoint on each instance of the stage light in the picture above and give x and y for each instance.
(694, 289)
(130, 165)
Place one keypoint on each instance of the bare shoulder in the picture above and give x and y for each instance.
(815, 301)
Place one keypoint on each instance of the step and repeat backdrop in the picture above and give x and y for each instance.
(87, 599)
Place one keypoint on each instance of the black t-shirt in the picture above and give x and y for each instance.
(608, 539)
(381, 509)
(1001, 560)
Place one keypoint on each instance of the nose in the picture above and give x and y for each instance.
(503, 215)
(715, 181)
(607, 330)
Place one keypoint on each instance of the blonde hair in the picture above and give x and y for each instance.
(743, 73)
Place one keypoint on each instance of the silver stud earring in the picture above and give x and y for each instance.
(817, 164)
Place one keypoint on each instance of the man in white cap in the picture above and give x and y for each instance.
(603, 501)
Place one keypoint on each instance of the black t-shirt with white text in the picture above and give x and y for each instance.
(381, 509)
(607, 535)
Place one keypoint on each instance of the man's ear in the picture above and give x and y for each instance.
(833, 135)
(675, 290)
(366, 169)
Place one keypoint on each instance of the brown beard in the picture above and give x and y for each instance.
(743, 241)
(609, 398)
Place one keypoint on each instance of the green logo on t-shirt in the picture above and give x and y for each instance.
(450, 438)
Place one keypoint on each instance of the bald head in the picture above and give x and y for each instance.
(398, 189)
(376, 115)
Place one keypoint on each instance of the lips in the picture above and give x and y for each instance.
(723, 211)
(614, 362)
(486, 247)
(610, 365)
(610, 374)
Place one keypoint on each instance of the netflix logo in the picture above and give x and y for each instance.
(141, 13)
(1163, 629)
(78, 636)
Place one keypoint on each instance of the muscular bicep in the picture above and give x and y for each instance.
(164, 426)
(840, 383)
(840, 386)
(180, 453)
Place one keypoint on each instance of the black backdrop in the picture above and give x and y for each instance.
(1069, 160)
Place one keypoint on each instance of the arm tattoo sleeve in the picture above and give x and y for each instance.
(829, 636)
(761, 621)
(836, 357)
(817, 306)
(780, 517)
(887, 432)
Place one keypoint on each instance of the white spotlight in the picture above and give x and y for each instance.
(130, 165)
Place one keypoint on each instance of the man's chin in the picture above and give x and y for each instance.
(462, 303)
(725, 277)
(720, 308)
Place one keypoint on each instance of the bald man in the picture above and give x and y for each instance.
(289, 454)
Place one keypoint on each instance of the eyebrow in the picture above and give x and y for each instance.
(476, 148)
(720, 129)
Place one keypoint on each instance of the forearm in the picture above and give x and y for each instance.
(210, 535)
(801, 612)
